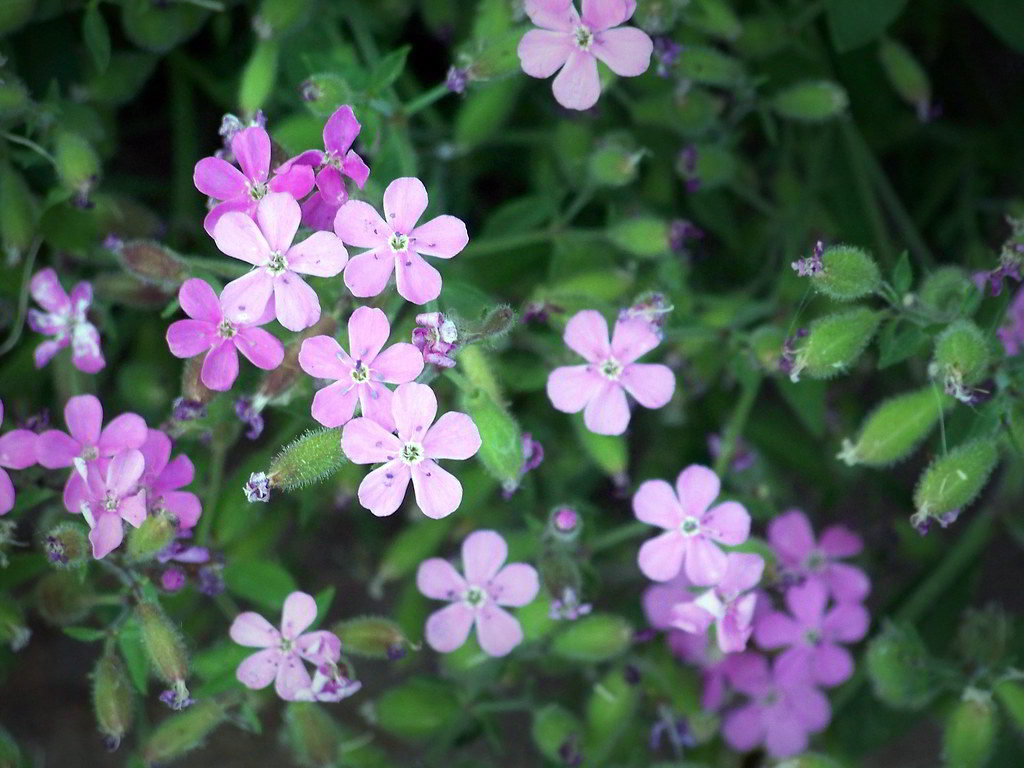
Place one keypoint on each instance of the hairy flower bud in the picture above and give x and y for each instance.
(182, 732)
(902, 672)
(66, 546)
(907, 77)
(961, 353)
(417, 709)
(113, 698)
(970, 731)
(310, 459)
(1010, 694)
(164, 644)
(501, 441)
(834, 342)
(373, 637)
(954, 480)
(13, 631)
(593, 639)
(811, 101)
(895, 428)
(641, 236)
(153, 262)
(155, 533)
(19, 211)
(77, 164)
(846, 273)
(554, 726)
(63, 598)
(312, 733)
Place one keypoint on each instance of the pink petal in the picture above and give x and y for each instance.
(220, 368)
(652, 385)
(106, 536)
(448, 628)
(18, 449)
(218, 179)
(542, 52)
(810, 706)
(55, 449)
(497, 631)
(626, 51)
(252, 630)
(321, 357)
(133, 509)
(292, 678)
(577, 85)
(124, 471)
(743, 571)
(383, 490)
(298, 306)
(367, 274)
(438, 492)
(298, 613)
(84, 416)
(405, 200)
(76, 492)
(376, 400)
(553, 14)
(398, 364)
(245, 299)
(185, 507)
(297, 181)
(600, 15)
(846, 623)
(331, 185)
(414, 407)
(238, 236)
(453, 436)
(47, 291)
(571, 387)
(157, 452)
(356, 169)
(696, 487)
(831, 665)
(416, 280)
(318, 212)
(85, 349)
(244, 205)
(341, 130)
(199, 301)
(655, 503)
(258, 670)
(807, 603)
(483, 554)
(515, 585)
(443, 236)
(691, 618)
(848, 584)
(631, 339)
(791, 536)
(259, 347)
(661, 557)
(734, 629)
(321, 255)
(586, 334)
(278, 216)
(608, 412)
(358, 224)
(785, 738)
(319, 647)
(6, 493)
(44, 352)
(364, 441)
(334, 405)
(743, 728)
(839, 541)
(251, 148)
(727, 523)
(704, 562)
(188, 338)
(775, 630)
(659, 599)
(126, 431)
(368, 331)
(437, 579)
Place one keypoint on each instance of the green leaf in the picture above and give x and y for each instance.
(85, 634)
(262, 582)
(1004, 17)
(97, 37)
(898, 341)
(902, 274)
(595, 638)
(129, 641)
(853, 23)
(387, 70)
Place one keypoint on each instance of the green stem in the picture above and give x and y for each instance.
(424, 100)
(859, 163)
(464, 384)
(218, 267)
(618, 535)
(26, 281)
(16, 139)
(737, 421)
(217, 460)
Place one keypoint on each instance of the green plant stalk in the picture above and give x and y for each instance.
(737, 421)
(425, 99)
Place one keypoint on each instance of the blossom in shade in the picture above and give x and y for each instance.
(86, 442)
(599, 387)
(112, 494)
(266, 243)
(1011, 333)
(65, 319)
(784, 707)
(17, 451)
(812, 634)
(165, 477)
(330, 683)
(208, 331)
(477, 596)
(412, 454)
(729, 604)
(574, 42)
(335, 162)
(361, 373)
(693, 528)
(241, 190)
(436, 337)
(281, 660)
(397, 244)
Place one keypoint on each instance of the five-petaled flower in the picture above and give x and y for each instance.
(573, 43)
(208, 330)
(266, 243)
(729, 604)
(112, 494)
(479, 597)
(163, 479)
(412, 454)
(17, 451)
(599, 387)
(65, 318)
(397, 244)
(362, 372)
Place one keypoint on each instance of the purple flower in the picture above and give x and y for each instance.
(360, 376)
(249, 415)
(396, 244)
(533, 457)
(164, 478)
(730, 604)
(599, 387)
(812, 265)
(17, 451)
(681, 230)
(479, 597)
(1011, 334)
(330, 684)
(457, 79)
(172, 579)
(996, 277)
(666, 52)
(692, 527)
(65, 318)
(651, 308)
(112, 494)
(436, 338)
(209, 332)
(281, 660)
(257, 488)
(813, 634)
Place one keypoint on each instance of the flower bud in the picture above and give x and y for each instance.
(984, 636)
(496, 323)
(152, 262)
(1010, 694)
(708, 66)
(906, 75)
(373, 637)
(164, 644)
(159, 27)
(63, 598)
(155, 533)
(609, 711)
(324, 91)
(642, 236)
(811, 101)
(945, 291)
(182, 732)
(766, 344)
(19, 210)
(258, 76)
(113, 698)
(281, 15)
(902, 672)
(846, 273)
(895, 428)
(13, 631)
(553, 727)
(962, 351)
(565, 524)
(953, 481)
(417, 709)
(77, 165)
(706, 166)
(313, 734)
(834, 342)
(501, 441)
(970, 731)
(615, 163)
(593, 639)
(192, 388)
(66, 546)
(310, 459)
(607, 451)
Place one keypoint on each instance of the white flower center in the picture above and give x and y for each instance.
(110, 501)
(226, 329)
(90, 452)
(360, 373)
(711, 603)
(611, 369)
(583, 37)
(277, 263)
(689, 527)
(257, 190)
(286, 646)
(398, 242)
(475, 596)
(412, 453)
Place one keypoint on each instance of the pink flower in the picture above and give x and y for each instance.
(17, 451)
(283, 651)
(164, 477)
(266, 243)
(477, 598)
(573, 45)
(66, 320)
(412, 454)
(397, 244)
(436, 337)
(112, 494)
(729, 604)
(336, 161)
(210, 332)
(784, 707)
(1011, 333)
(813, 634)
(801, 557)
(242, 190)
(692, 526)
(599, 387)
(362, 374)
(89, 441)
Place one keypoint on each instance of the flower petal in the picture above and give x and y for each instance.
(743, 727)
(83, 415)
(438, 579)
(126, 431)
(846, 623)
(405, 200)
(6, 493)
(133, 509)
(218, 179)
(626, 51)
(839, 541)
(188, 338)
(631, 339)
(251, 148)
(727, 523)
(515, 585)
(318, 212)
(448, 628)
(375, 401)
(341, 130)
(355, 168)
(358, 224)
(652, 385)
(571, 387)
(368, 331)
(367, 274)
(743, 571)
(704, 562)
(298, 613)
(297, 181)
(56, 449)
(696, 487)
(124, 471)
(791, 537)
(415, 279)
(199, 301)
(660, 558)
(453, 436)
(414, 407)
(321, 255)
(47, 291)
(383, 490)
(398, 364)
(106, 536)
(483, 554)
(848, 583)
(298, 306)
(245, 299)
(608, 412)
(85, 349)
(185, 506)
(238, 236)
(600, 15)
(807, 603)
(322, 358)
(542, 51)
(831, 665)
(438, 492)
(319, 647)
(776, 630)
(497, 631)
(18, 449)
(334, 405)
(364, 441)
(442, 236)
(553, 14)
(260, 348)
(220, 367)
(292, 678)
(586, 334)
(655, 503)
(577, 85)
(252, 630)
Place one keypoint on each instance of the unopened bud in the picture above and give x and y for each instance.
(895, 428)
(113, 698)
(554, 726)
(970, 731)
(1010, 694)
(258, 75)
(310, 459)
(77, 164)
(153, 262)
(19, 211)
(192, 388)
(565, 523)
(182, 732)
(615, 164)
(324, 91)
(811, 101)
(155, 533)
(953, 481)
(501, 441)
(902, 672)
(846, 273)
(373, 637)
(962, 350)
(641, 236)
(834, 343)
(313, 734)
(417, 709)
(63, 598)
(906, 75)
(66, 546)
(593, 639)
(164, 644)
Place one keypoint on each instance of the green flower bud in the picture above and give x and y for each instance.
(706, 166)
(945, 291)
(373, 637)
(709, 66)
(258, 76)
(643, 236)
(501, 441)
(834, 342)
(310, 459)
(895, 428)
(485, 110)
(593, 639)
(495, 324)
(847, 273)
(155, 533)
(63, 598)
(153, 262)
(953, 481)
(811, 101)
(491, 57)
(610, 709)
(961, 354)
(970, 731)
(766, 343)
(279, 16)
(322, 92)
(902, 672)
(313, 734)
(192, 387)
(615, 162)
(984, 636)
(164, 644)
(417, 709)
(113, 698)
(77, 164)
(609, 452)
(554, 727)
(19, 213)
(159, 27)
(182, 732)
(14, 98)
(714, 18)
(1011, 696)
(906, 75)
(410, 546)
(13, 631)
(66, 546)
(14, 14)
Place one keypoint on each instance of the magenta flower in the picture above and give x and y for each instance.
(209, 331)
(337, 161)
(164, 477)
(692, 527)
(112, 494)
(241, 190)
(412, 454)
(729, 604)
(397, 244)
(573, 45)
(801, 557)
(362, 374)
(266, 243)
(17, 451)
(478, 598)
(281, 659)
(814, 634)
(89, 441)
(784, 707)
(436, 337)
(599, 387)
(1011, 333)
(65, 318)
